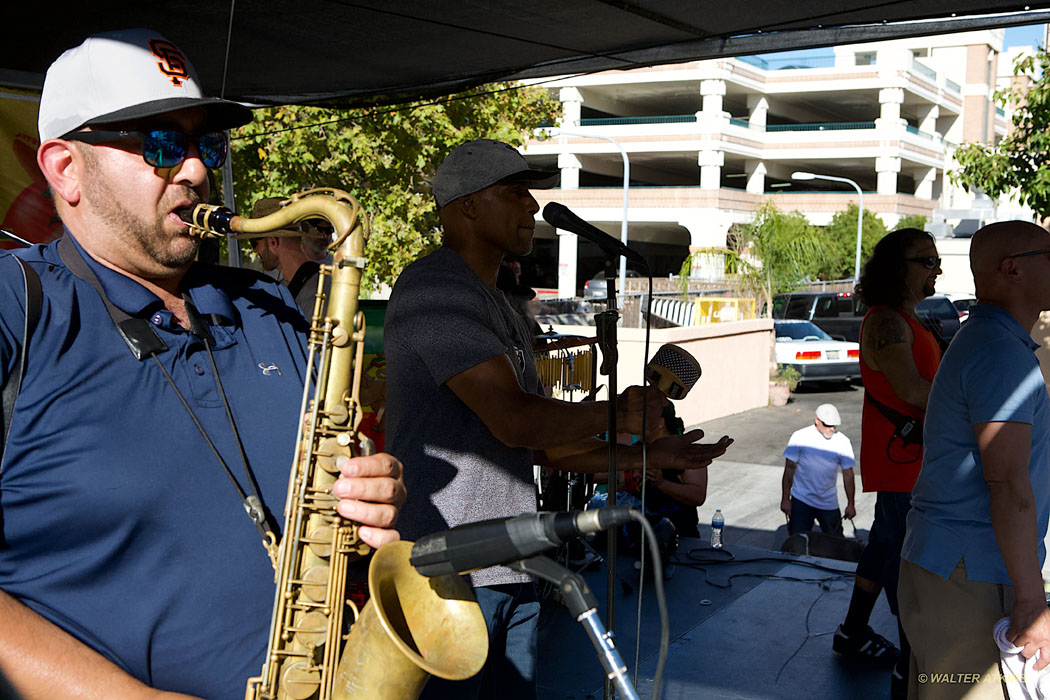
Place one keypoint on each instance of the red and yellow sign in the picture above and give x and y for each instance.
(25, 207)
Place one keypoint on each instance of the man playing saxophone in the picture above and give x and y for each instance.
(144, 465)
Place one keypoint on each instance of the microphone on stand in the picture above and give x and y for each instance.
(673, 371)
(559, 216)
(480, 545)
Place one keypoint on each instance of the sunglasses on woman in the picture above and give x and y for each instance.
(164, 148)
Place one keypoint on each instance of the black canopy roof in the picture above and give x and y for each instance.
(351, 52)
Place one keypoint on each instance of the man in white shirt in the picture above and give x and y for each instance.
(812, 460)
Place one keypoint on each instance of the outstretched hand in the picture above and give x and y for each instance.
(683, 452)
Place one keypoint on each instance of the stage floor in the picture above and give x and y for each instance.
(741, 629)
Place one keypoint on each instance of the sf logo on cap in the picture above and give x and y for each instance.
(172, 63)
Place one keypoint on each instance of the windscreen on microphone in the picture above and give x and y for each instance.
(673, 371)
(479, 545)
(561, 217)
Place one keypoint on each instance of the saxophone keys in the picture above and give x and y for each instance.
(299, 680)
(330, 449)
(320, 541)
(315, 583)
(311, 629)
(340, 337)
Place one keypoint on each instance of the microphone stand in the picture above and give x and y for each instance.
(605, 326)
(584, 607)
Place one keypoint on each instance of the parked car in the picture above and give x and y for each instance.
(837, 313)
(962, 304)
(596, 286)
(814, 354)
(840, 314)
(940, 316)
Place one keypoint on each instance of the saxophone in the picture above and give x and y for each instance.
(412, 626)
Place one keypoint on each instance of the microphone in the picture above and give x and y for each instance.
(673, 371)
(474, 546)
(559, 216)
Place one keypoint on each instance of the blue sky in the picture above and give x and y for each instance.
(1030, 35)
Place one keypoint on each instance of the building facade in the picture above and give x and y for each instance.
(710, 141)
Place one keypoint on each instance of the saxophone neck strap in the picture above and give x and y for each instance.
(141, 338)
(13, 384)
(144, 342)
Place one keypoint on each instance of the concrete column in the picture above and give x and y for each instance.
(713, 91)
(924, 184)
(568, 243)
(707, 232)
(707, 228)
(756, 176)
(928, 122)
(567, 256)
(569, 165)
(758, 109)
(711, 163)
(571, 102)
(890, 100)
(887, 168)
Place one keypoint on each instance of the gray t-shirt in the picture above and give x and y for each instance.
(441, 321)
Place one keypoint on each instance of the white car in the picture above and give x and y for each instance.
(814, 353)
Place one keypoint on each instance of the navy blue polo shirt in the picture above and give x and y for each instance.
(117, 522)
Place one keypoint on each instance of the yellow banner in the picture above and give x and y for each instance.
(25, 207)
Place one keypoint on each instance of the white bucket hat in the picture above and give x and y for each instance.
(123, 75)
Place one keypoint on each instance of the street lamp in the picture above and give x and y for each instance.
(551, 133)
(799, 175)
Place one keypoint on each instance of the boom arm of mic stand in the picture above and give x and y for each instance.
(584, 607)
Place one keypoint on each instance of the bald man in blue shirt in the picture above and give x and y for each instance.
(974, 545)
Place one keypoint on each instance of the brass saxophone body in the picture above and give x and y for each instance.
(412, 626)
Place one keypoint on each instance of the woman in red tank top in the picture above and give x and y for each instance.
(888, 463)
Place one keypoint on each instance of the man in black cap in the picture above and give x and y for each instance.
(465, 407)
(130, 565)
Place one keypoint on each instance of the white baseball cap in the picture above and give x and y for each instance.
(123, 75)
(828, 414)
(475, 165)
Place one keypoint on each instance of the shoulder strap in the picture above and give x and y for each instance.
(139, 335)
(301, 276)
(908, 429)
(14, 380)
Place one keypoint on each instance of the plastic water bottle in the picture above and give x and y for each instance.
(717, 523)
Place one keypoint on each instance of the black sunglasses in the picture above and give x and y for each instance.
(1031, 252)
(930, 262)
(164, 148)
(320, 226)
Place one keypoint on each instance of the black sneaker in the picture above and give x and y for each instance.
(866, 645)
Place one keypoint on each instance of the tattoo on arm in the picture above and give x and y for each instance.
(889, 330)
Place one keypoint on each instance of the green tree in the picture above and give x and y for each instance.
(840, 242)
(912, 221)
(775, 252)
(383, 156)
(1020, 163)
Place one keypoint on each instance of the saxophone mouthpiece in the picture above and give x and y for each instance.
(208, 220)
